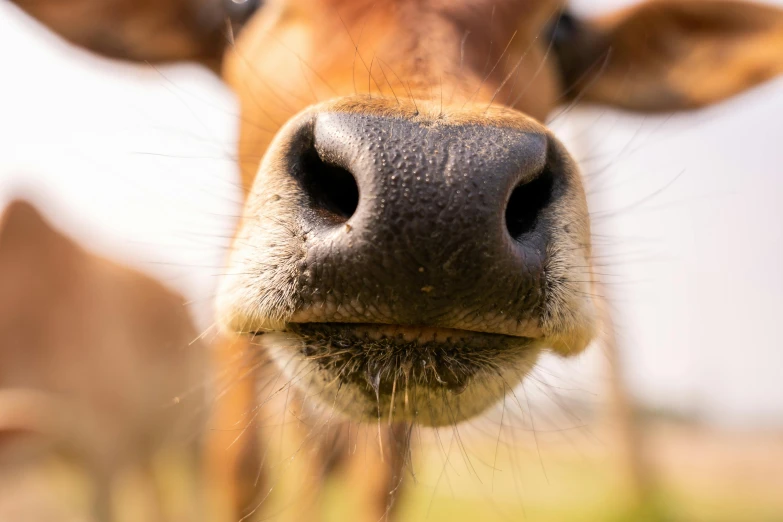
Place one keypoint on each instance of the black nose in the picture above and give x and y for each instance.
(414, 222)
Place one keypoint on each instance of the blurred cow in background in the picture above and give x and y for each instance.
(100, 378)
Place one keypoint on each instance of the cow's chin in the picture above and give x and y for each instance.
(428, 376)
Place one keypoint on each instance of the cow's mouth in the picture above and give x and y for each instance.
(403, 369)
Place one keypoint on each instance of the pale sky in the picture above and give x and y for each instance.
(136, 163)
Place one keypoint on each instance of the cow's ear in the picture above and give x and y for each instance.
(667, 55)
(153, 31)
(36, 264)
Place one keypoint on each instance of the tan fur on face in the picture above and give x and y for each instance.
(297, 53)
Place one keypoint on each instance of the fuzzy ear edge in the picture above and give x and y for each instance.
(154, 31)
(25, 232)
(671, 55)
(36, 260)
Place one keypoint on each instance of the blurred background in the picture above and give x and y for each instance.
(137, 164)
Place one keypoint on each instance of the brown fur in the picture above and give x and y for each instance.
(300, 52)
(142, 30)
(666, 55)
(96, 361)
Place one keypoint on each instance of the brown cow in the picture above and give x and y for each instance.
(413, 235)
(98, 364)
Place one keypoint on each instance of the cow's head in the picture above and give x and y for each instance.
(91, 352)
(413, 235)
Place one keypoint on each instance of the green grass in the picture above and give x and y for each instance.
(571, 489)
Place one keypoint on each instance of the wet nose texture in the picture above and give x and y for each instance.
(417, 223)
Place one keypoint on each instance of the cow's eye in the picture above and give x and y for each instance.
(564, 29)
(240, 11)
(572, 40)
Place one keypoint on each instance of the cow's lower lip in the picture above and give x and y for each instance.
(381, 358)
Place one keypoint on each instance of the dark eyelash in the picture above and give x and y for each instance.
(563, 29)
(571, 38)
(240, 11)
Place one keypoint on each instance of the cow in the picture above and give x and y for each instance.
(100, 370)
(413, 235)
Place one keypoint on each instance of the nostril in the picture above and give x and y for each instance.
(526, 203)
(332, 190)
